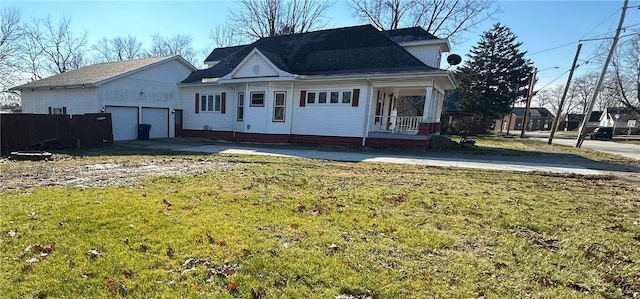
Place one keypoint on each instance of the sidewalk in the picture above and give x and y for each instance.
(552, 163)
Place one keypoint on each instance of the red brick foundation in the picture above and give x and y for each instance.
(308, 139)
(428, 128)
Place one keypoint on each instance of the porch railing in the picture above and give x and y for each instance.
(396, 123)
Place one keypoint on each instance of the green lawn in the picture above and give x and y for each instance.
(296, 228)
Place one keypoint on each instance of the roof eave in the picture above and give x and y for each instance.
(444, 43)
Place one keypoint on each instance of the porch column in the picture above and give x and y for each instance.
(428, 104)
(425, 128)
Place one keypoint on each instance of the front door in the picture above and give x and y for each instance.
(178, 123)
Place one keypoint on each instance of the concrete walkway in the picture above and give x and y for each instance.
(552, 163)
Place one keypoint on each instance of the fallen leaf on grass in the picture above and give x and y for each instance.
(301, 207)
(210, 238)
(546, 282)
(170, 251)
(258, 293)
(94, 253)
(233, 286)
(427, 276)
(500, 265)
(578, 287)
(222, 242)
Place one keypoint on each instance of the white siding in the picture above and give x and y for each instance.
(330, 119)
(77, 101)
(155, 87)
(428, 54)
(255, 66)
(260, 119)
(214, 120)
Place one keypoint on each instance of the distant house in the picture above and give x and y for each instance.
(134, 91)
(540, 119)
(618, 117)
(337, 86)
(572, 121)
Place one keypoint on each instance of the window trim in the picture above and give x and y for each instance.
(342, 93)
(251, 104)
(216, 103)
(240, 107)
(62, 110)
(283, 106)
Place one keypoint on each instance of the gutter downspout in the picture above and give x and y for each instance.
(235, 119)
(367, 112)
(292, 108)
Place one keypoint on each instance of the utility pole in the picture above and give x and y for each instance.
(556, 121)
(525, 119)
(583, 127)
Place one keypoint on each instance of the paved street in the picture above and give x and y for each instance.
(607, 146)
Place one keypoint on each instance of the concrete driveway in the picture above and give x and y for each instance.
(553, 163)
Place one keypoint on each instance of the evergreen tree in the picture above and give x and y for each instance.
(495, 76)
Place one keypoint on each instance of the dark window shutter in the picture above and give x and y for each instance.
(64, 110)
(50, 111)
(197, 103)
(356, 97)
(223, 104)
(303, 97)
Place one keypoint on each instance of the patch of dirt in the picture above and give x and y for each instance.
(16, 175)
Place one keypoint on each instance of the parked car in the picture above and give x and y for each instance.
(605, 133)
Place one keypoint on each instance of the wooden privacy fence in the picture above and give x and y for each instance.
(20, 131)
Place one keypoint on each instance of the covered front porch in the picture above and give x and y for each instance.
(409, 112)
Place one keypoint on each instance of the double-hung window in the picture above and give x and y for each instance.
(210, 103)
(240, 112)
(279, 102)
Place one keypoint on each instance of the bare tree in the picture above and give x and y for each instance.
(117, 49)
(444, 18)
(225, 36)
(625, 75)
(254, 19)
(53, 48)
(10, 32)
(582, 89)
(179, 44)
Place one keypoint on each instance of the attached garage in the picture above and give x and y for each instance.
(124, 121)
(158, 118)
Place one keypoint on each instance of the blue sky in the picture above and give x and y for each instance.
(540, 25)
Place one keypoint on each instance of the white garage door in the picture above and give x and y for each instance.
(124, 121)
(158, 118)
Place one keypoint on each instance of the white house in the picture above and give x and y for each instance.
(619, 117)
(336, 86)
(134, 92)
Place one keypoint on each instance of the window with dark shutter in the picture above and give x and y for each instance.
(303, 97)
(223, 108)
(197, 103)
(356, 97)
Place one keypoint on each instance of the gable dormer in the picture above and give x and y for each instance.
(421, 44)
(221, 53)
(256, 65)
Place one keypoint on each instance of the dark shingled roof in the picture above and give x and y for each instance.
(350, 50)
(534, 112)
(409, 35)
(221, 53)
